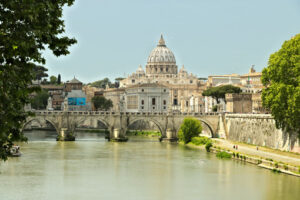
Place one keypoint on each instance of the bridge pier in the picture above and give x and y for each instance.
(118, 135)
(65, 135)
(170, 136)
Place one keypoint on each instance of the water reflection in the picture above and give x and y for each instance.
(143, 168)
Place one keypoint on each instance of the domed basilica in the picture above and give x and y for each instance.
(161, 69)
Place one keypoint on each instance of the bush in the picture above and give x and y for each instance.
(285, 167)
(276, 170)
(233, 154)
(223, 154)
(237, 155)
(208, 146)
(276, 164)
(189, 128)
(259, 161)
(200, 140)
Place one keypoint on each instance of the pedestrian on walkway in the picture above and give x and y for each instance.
(257, 148)
(236, 147)
(233, 146)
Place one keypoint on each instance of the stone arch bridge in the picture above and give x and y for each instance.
(117, 123)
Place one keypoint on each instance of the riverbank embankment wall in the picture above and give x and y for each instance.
(260, 129)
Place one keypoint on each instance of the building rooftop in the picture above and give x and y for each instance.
(74, 80)
(52, 87)
(146, 85)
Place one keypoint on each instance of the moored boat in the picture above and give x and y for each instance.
(15, 151)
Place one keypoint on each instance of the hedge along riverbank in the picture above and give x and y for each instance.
(275, 166)
(143, 133)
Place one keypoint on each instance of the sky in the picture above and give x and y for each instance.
(210, 37)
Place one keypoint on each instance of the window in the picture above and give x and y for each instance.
(142, 102)
(142, 107)
(153, 101)
(167, 69)
(187, 103)
(191, 81)
(175, 102)
(165, 90)
(165, 107)
(142, 90)
(132, 81)
(164, 102)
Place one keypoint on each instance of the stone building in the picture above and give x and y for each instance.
(116, 95)
(90, 92)
(238, 103)
(56, 93)
(257, 103)
(228, 79)
(73, 84)
(161, 68)
(219, 80)
(251, 82)
(147, 97)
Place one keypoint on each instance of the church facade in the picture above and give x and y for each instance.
(185, 89)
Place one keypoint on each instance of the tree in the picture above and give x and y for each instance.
(101, 103)
(189, 128)
(58, 79)
(117, 82)
(40, 100)
(26, 29)
(102, 83)
(282, 81)
(53, 80)
(220, 91)
(39, 72)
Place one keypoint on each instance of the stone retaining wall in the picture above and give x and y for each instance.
(260, 129)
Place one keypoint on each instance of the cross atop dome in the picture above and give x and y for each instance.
(161, 42)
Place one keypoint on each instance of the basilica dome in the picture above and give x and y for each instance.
(161, 60)
(161, 54)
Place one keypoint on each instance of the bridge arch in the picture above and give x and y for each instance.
(82, 120)
(39, 121)
(208, 125)
(159, 126)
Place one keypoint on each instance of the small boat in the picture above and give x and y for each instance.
(15, 151)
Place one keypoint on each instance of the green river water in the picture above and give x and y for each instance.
(140, 169)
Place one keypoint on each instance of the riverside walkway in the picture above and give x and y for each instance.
(276, 155)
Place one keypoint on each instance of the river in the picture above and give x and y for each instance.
(140, 169)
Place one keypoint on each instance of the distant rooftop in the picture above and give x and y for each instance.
(74, 80)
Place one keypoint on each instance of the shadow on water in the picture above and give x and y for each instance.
(40, 135)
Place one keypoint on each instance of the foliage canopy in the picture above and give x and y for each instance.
(40, 100)
(282, 81)
(101, 103)
(102, 83)
(189, 128)
(26, 29)
(220, 91)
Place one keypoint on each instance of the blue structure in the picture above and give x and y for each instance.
(77, 101)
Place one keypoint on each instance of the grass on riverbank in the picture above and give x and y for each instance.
(199, 141)
(143, 133)
(94, 130)
(223, 154)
